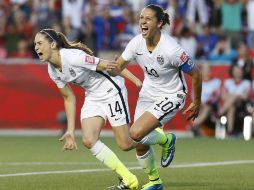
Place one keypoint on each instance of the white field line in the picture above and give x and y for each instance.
(192, 165)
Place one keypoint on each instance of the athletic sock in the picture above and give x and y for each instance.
(108, 158)
(157, 136)
(147, 162)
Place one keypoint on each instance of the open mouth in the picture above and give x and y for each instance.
(39, 54)
(144, 30)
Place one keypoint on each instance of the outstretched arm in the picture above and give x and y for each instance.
(194, 107)
(106, 65)
(121, 64)
(70, 109)
(127, 74)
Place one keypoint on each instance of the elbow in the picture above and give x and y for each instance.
(69, 98)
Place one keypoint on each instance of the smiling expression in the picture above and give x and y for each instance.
(148, 23)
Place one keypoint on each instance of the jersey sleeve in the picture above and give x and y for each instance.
(79, 58)
(179, 56)
(57, 80)
(182, 60)
(129, 52)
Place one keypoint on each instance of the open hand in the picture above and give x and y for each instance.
(70, 142)
(193, 111)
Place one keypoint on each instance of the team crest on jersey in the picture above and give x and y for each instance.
(72, 72)
(160, 60)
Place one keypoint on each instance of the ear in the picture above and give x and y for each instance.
(53, 45)
(160, 24)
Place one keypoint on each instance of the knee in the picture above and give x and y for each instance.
(88, 142)
(135, 134)
(125, 146)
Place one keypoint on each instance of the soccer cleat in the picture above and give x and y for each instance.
(133, 184)
(168, 150)
(158, 185)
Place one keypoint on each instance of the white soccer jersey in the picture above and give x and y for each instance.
(161, 67)
(210, 90)
(80, 68)
(237, 88)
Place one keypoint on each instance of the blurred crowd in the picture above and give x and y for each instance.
(207, 29)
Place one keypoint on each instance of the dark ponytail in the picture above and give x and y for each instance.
(62, 42)
(160, 14)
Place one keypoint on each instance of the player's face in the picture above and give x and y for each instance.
(148, 23)
(42, 47)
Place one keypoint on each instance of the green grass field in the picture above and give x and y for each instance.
(37, 163)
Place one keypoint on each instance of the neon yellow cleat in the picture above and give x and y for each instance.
(153, 185)
(131, 183)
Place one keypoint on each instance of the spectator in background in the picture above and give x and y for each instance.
(135, 5)
(130, 29)
(42, 15)
(250, 23)
(236, 92)
(244, 61)
(211, 88)
(250, 27)
(88, 34)
(188, 41)
(57, 26)
(11, 37)
(223, 51)
(162, 3)
(214, 13)
(231, 20)
(182, 8)
(71, 33)
(197, 7)
(117, 22)
(206, 42)
(171, 9)
(3, 17)
(97, 12)
(73, 9)
(3, 21)
(22, 50)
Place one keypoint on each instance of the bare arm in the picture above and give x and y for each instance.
(121, 64)
(70, 109)
(127, 74)
(106, 65)
(194, 107)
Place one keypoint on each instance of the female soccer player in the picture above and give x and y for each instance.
(106, 98)
(164, 89)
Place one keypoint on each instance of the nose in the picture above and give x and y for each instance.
(142, 21)
(35, 47)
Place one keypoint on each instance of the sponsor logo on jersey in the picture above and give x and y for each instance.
(89, 59)
(109, 90)
(160, 60)
(184, 57)
(72, 72)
